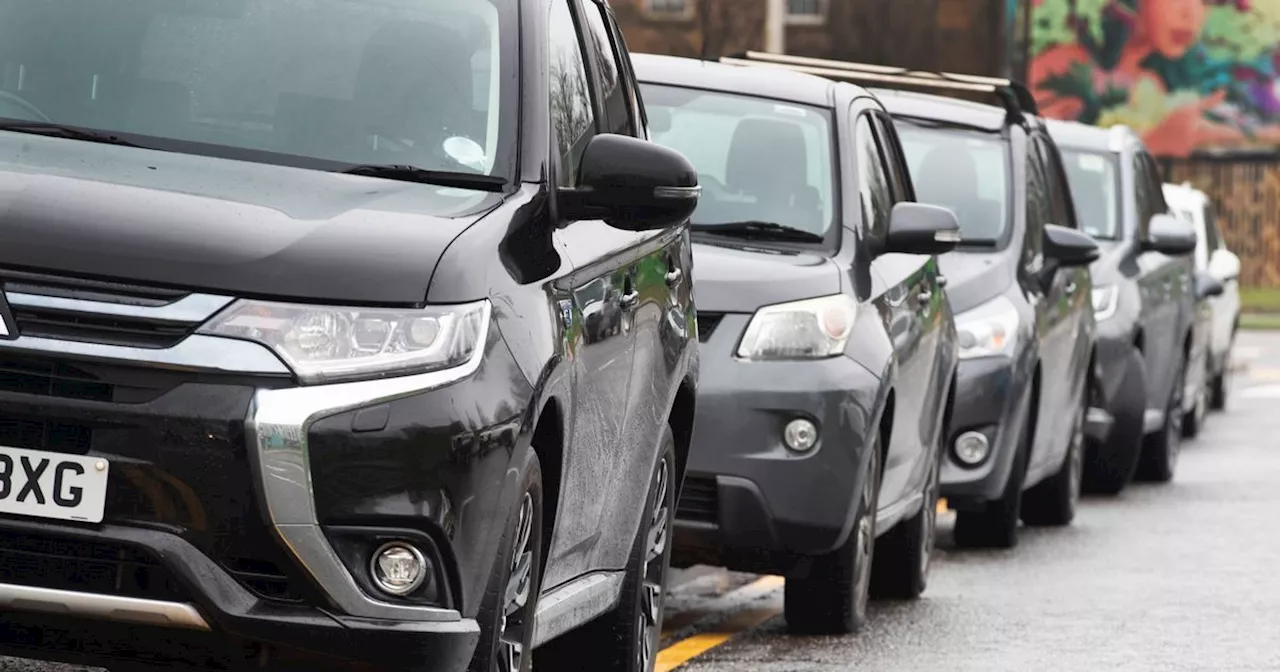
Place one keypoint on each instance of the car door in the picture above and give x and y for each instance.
(658, 294)
(1066, 305)
(1154, 285)
(907, 282)
(602, 295)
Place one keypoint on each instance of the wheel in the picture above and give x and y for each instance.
(626, 639)
(828, 594)
(1194, 421)
(1053, 501)
(511, 599)
(900, 569)
(1109, 465)
(996, 525)
(1159, 458)
(1221, 383)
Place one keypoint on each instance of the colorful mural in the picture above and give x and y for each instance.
(1185, 74)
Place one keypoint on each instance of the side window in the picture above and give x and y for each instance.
(1039, 206)
(1158, 204)
(571, 112)
(1212, 236)
(891, 149)
(1142, 193)
(873, 183)
(1059, 190)
(604, 61)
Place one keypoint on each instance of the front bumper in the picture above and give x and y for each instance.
(240, 508)
(991, 393)
(749, 503)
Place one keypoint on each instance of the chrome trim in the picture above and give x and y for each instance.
(96, 605)
(192, 308)
(575, 603)
(277, 427)
(677, 192)
(195, 353)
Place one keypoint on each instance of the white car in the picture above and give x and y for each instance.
(1212, 257)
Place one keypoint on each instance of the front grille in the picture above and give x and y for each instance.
(86, 290)
(32, 434)
(707, 323)
(84, 381)
(47, 561)
(699, 500)
(264, 579)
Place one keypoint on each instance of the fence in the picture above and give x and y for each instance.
(1246, 195)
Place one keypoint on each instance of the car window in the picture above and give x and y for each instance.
(757, 159)
(604, 60)
(873, 181)
(355, 82)
(1059, 193)
(1094, 178)
(1213, 235)
(1142, 194)
(1156, 188)
(1039, 206)
(891, 149)
(571, 111)
(966, 171)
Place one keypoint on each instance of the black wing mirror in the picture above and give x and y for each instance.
(918, 228)
(632, 184)
(1170, 235)
(1069, 247)
(1208, 286)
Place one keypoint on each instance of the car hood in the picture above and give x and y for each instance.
(734, 279)
(220, 225)
(973, 278)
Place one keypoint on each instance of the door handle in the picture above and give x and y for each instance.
(674, 276)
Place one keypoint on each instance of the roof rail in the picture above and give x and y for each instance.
(1014, 96)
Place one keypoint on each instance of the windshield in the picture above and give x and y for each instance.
(966, 171)
(757, 160)
(411, 82)
(1095, 189)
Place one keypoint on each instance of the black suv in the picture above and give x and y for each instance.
(1020, 285)
(1144, 298)
(297, 362)
(828, 349)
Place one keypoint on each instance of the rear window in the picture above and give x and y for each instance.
(966, 171)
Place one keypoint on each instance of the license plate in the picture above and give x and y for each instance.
(51, 485)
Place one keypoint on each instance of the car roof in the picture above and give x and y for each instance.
(763, 82)
(942, 108)
(1076, 135)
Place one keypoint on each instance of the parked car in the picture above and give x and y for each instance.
(1020, 285)
(1212, 258)
(1144, 301)
(297, 377)
(828, 349)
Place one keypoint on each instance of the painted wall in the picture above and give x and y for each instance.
(1187, 74)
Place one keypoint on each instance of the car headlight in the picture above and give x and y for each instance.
(990, 329)
(1106, 299)
(323, 344)
(808, 329)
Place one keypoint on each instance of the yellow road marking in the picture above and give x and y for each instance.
(683, 651)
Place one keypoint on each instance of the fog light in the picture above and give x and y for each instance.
(972, 447)
(398, 568)
(800, 435)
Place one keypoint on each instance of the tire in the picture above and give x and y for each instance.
(1218, 390)
(506, 625)
(900, 569)
(626, 639)
(996, 525)
(828, 594)
(1053, 502)
(1193, 422)
(1160, 451)
(1109, 466)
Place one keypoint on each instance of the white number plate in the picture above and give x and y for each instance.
(52, 485)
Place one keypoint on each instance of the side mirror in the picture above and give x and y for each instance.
(918, 228)
(1224, 265)
(1170, 235)
(1207, 286)
(632, 184)
(1068, 247)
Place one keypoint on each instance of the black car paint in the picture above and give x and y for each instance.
(754, 505)
(1054, 350)
(435, 464)
(1155, 313)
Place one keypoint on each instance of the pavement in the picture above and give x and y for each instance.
(1179, 576)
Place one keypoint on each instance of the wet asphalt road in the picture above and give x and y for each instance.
(1174, 577)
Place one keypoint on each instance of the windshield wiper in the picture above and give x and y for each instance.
(50, 129)
(444, 178)
(761, 230)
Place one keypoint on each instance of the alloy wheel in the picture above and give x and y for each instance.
(650, 617)
(864, 546)
(515, 614)
(1076, 465)
(930, 518)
